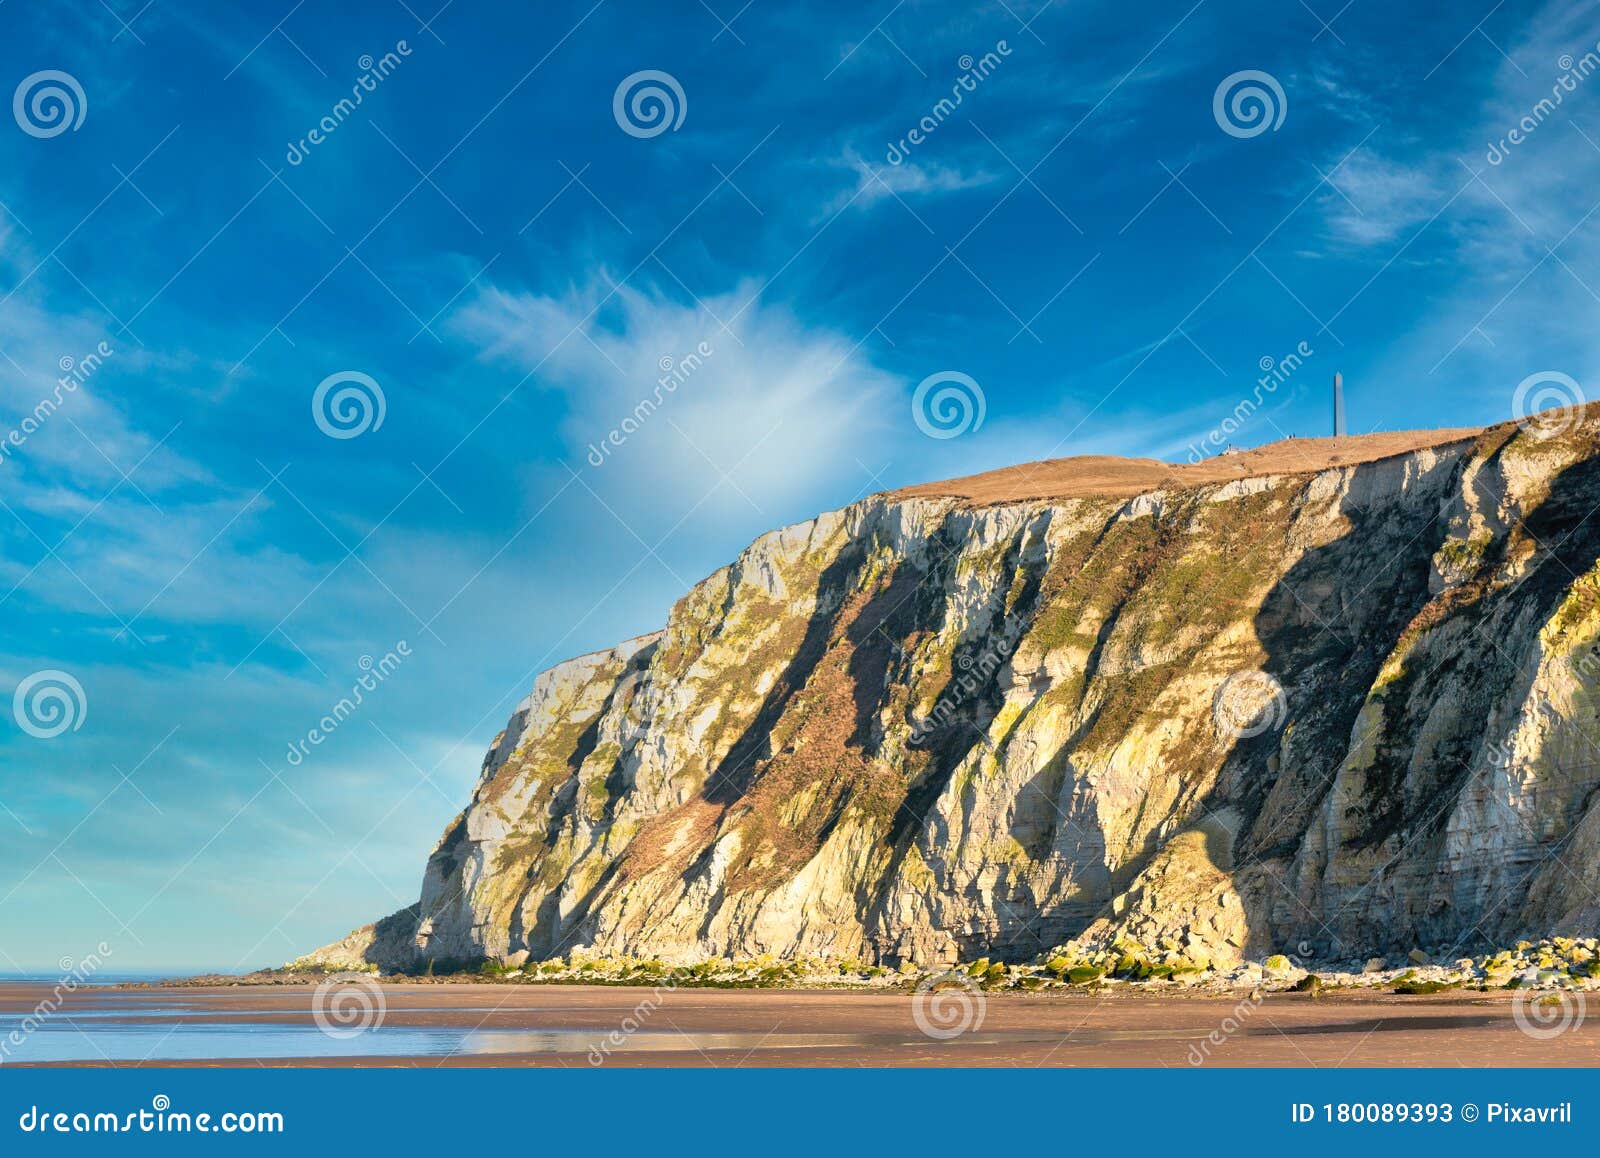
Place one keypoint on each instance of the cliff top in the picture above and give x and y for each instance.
(1104, 476)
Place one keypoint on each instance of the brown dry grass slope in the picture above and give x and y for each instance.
(1103, 476)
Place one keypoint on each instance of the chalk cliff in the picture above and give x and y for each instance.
(1334, 696)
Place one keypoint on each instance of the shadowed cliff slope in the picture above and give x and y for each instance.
(1340, 696)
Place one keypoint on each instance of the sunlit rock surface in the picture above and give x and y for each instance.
(1345, 707)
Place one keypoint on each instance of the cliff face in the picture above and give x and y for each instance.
(1343, 711)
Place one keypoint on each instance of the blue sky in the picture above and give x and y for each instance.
(482, 239)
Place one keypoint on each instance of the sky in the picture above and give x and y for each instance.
(300, 392)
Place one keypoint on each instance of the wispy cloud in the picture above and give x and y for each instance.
(1508, 225)
(1375, 199)
(731, 398)
(909, 179)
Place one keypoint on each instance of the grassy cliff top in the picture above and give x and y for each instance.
(1103, 476)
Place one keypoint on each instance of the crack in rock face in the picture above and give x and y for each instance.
(1342, 704)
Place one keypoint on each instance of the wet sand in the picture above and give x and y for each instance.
(525, 1025)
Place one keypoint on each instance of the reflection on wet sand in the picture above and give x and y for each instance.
(424, 1024)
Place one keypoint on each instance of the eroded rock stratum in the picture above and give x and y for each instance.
(918, 729)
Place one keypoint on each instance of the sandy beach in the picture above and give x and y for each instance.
(578, 1026)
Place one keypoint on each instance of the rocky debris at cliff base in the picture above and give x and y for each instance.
(1086, 701)
(1556, 963)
